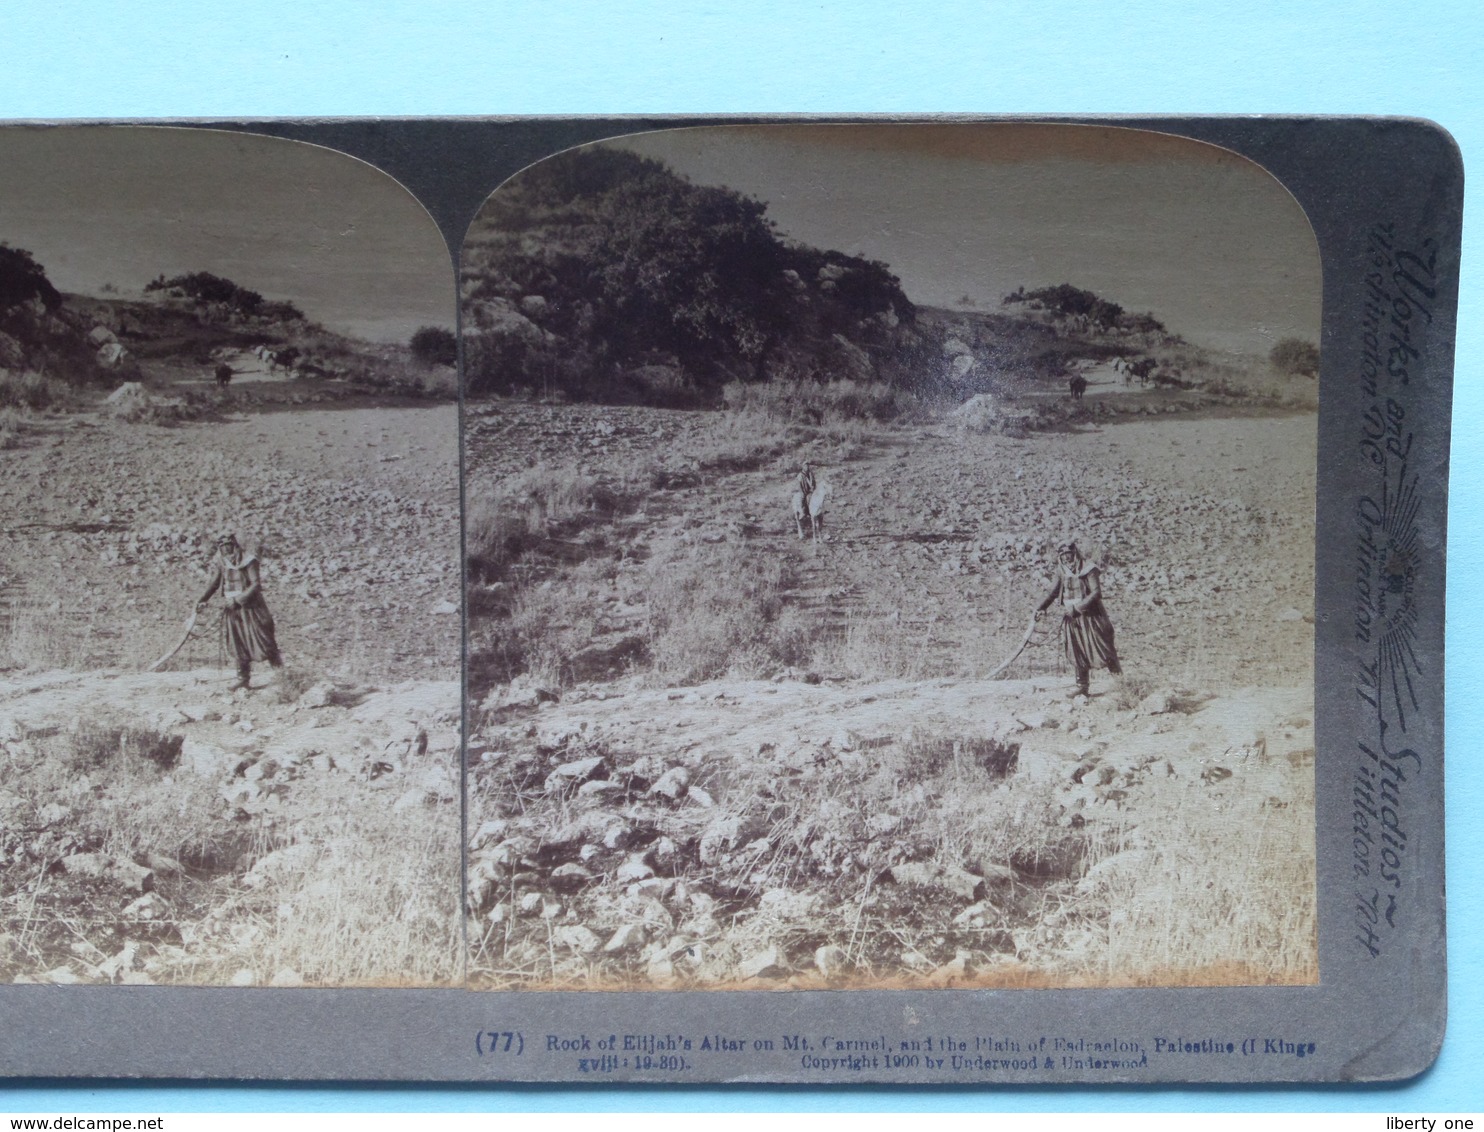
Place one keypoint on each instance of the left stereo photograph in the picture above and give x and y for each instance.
(229, 566)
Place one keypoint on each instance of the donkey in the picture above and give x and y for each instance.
(811, 508)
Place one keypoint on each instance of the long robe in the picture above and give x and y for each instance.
(1086, 635)
(248, 628)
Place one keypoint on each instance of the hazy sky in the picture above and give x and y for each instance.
(1207, 240)
(122, 204)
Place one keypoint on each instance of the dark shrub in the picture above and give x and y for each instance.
(434, 345)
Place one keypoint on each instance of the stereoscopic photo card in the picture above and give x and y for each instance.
(943, 601)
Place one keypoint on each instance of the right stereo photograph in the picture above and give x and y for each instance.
(889, 563)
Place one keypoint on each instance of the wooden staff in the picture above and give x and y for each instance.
(185, 635)
(1030, 631)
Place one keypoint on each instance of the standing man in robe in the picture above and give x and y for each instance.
(247, 626)
(1086, 631)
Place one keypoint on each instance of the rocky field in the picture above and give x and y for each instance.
(708, 753)
(153, 830)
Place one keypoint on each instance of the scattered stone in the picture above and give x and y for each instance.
(617, 836)
(291, 861)
(974, 915)
(578, 938)
(573, 774)
(530, 903)
(788, 905)
(240, 792)
(499, 913)
(661, 970)
(510, 852)
(134, 877)
(149, 907)
(628, 937)
(445, 609)
(206, 760)
(114, 967)
(1112, 869)
(956, 968)
(831, 960)
(570, 876)
(673, 784)
(318, 696)
(635, 868)
(242, 978)
(62, 976)
(915, 960)
(766, 964)
(995, 876)
(701, 797)
(286, 977)
(845, 740)
(598, 790)
(1155, 703)
(656, 888)
(86, 951)
(261, 769)
(92, 865)
(53, 813)
(879, 825)
(923, 874)
(413, 799)
(554, 734)
(719, 837)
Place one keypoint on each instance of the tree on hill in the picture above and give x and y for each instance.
(23, 279)
(203, 287)
(434, 345)
(600, 262)
(1295, 356)
(1068, 301)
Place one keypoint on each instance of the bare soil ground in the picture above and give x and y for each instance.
(305, 830)
(711, 754)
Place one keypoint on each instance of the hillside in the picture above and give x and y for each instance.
(161, 826)
(604, 276)
(185, 341)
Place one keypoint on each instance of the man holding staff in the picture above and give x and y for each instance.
(247, 626)
(1086, 631)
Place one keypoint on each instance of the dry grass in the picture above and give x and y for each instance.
(31, 638)
(34, 391)
(716, 610)
(869, 648)
(372, 902)
(822, 403)
(373, 892)
(13, 423)
(529, 510)
(293, 681)
(1211, 885)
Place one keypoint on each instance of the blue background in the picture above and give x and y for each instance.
(143, 59)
